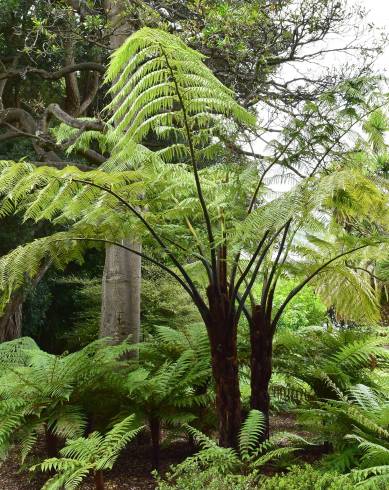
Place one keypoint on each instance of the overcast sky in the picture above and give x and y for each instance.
(379, 14)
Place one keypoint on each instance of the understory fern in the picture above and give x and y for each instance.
(40, 392)
(332, 360)
(251, 455)
(92, 454)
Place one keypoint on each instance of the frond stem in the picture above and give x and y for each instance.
(152, 232)
(195, 172)
(300, 286)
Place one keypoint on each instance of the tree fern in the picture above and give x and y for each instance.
(42, 392)
(252, 454)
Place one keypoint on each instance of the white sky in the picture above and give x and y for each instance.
(379, 14)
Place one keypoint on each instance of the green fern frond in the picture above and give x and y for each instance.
(250, 433)
(159, 82)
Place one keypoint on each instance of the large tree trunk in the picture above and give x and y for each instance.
(121, 294)
(120, 315)
(222, 331)
(11, 319)
(261, 339)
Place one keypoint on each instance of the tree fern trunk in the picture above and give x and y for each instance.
(222, 331)
(384, 306)
(261, 340)
(155, 430)
(52, 443)
(99, 480)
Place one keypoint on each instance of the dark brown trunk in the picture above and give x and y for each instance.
(99, 480)
(155, 430)
(261, 340)
(52, 443)
(222, 331)
(11, 319)
(384, 306)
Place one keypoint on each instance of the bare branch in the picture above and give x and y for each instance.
(54, 75)
(74, 122)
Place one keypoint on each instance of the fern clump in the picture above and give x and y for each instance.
(93, 454)
(307, 478)
(250, 456)
(357, 428)
(44, 393)
(170, 386)
(330, 360)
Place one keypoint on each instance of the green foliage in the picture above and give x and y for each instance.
(190, 478)
(319, 362)
(40, 391)
(296, 478)
(164, 302)
(304, 310)
(357, 427)
(252, 428)
(249, 459)
(161, 85)
(97, 452)
(306, 478)
(172, 382)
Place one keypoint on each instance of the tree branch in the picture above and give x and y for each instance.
(54, 75)
(74, 122)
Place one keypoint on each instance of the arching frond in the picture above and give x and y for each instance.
(161, 86)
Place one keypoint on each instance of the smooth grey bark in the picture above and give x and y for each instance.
(121, 293)
(121, 288)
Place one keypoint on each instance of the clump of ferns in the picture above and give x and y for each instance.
(93, 454)
(331, 359)
(54, 396)
(170, 385)
(355, 423)
(373, 464)
(250, 456)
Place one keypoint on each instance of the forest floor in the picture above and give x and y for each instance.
(131, 472)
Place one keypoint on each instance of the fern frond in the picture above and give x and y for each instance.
(250, 433)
